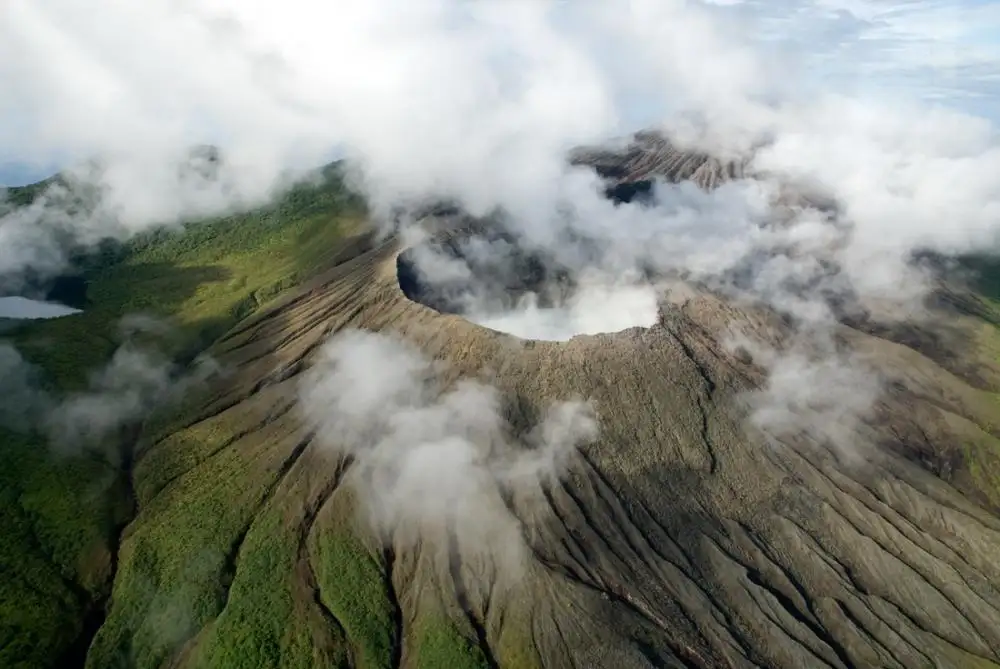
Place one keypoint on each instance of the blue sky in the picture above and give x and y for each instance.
(947, 51)
(19, 174)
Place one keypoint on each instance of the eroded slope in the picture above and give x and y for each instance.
(678, 538)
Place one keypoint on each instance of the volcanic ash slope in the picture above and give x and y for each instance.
(676, 538)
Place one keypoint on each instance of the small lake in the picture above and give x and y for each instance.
(23, 308)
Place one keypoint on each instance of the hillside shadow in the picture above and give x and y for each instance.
(70, 290)
(68, 350)
(71, 347)
(982, 274)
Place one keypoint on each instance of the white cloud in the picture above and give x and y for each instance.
(591, 309)
(480, 100)
(425, 455)
(135, 381)
(812, 390)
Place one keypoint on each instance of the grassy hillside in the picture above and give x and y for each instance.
(60, 516)
(215, 566)
(203, 278)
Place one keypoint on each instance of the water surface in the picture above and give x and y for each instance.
(24, 308)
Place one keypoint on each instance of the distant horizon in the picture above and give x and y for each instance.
(15, 174)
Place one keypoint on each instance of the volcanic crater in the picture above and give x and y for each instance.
(679, 538)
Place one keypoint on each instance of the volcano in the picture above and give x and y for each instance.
(680, 535)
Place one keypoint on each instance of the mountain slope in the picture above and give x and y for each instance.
(62, 512)
(677, 539)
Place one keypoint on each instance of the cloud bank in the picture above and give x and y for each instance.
(426, 456)
(137, 380)
(478, 103)
(591, 309)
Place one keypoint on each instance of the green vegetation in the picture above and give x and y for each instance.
(354, 590)
(264, 624)
(983, 461)
(221, 563)
(56, 521)
(440, 645)
(981, 452)
(175, 565)
(204, 278)
(60, 515)
(22, 196)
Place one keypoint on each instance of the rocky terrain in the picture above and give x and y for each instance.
(680, 537)
(650, 155)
